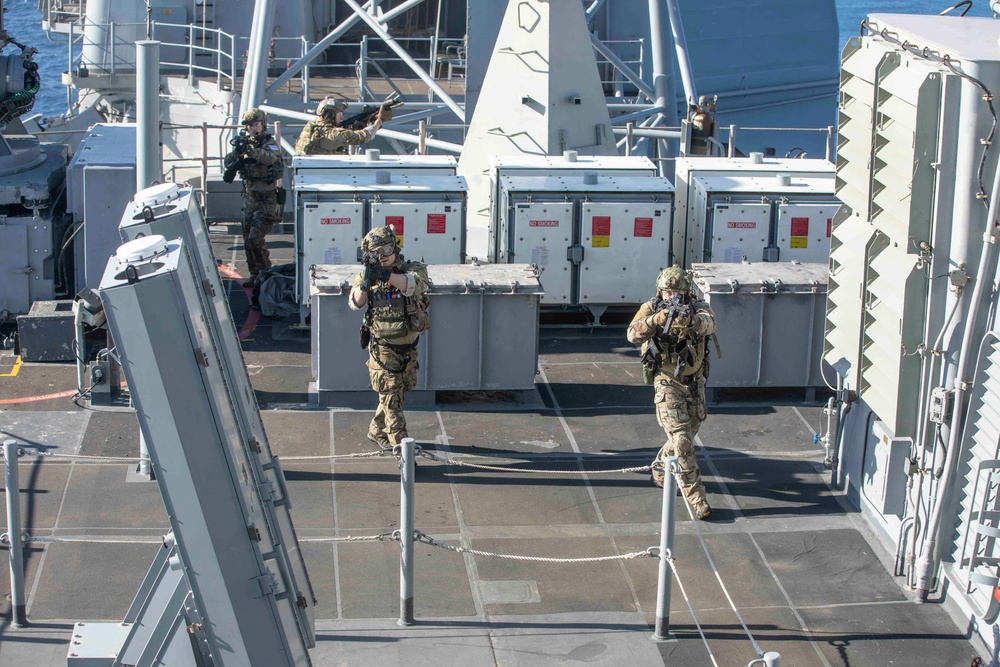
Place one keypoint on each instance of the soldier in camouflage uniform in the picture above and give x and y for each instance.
(261, 169)
(679, 380)
(324, 136)
(394, 292)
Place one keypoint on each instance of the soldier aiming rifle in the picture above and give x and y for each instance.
(330, 134)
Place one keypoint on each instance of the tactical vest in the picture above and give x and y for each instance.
(268, 173)
(693, 352)
(394, 317)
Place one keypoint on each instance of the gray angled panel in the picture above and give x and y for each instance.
(175, 374)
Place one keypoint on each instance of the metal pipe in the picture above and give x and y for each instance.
(144, 468)
(81, 343)
(406, 58)
(663, 79)
(422, 136)
(406, 468)
(147, 103)
(255, 74)
(641, 132)
(769, 659)
(680, 46)
(663, 582)
(363, 70)
(19, 616)
(929, 560)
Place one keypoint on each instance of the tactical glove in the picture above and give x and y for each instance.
(659, 318)
(384, 113)
(381, 273)
(366, 278)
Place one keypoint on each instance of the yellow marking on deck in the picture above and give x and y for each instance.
(14, 370)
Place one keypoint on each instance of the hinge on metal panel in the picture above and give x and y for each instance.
(200, 357)
(574, 254)
(266, 489)
(207, 287)
(266, 583)
(253, 533)
(301, 601)
(255, 445)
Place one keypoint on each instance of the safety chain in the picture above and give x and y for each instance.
(456, 462)
(384, 537)
(427, 539)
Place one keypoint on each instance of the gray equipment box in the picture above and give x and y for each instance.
(336, 168)
(100, 181)
(331, 219)
(770, 322)
(595, 239)
(483, 335)
(47, 332)
(568, 164)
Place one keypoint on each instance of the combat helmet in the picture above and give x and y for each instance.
(673, 278)
(379, 237)
(252, 115)
(330, 104)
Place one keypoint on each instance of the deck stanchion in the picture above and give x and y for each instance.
(406, 532)
(19, 618)
(662, 630)
(769, 659)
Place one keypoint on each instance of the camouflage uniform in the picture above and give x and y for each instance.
(679, 401)
(262, 168)
(396, 319)
(322, 136)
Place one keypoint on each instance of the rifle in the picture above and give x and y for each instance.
(362, 120)
(374, 271)
(675, 307)
(235, 160)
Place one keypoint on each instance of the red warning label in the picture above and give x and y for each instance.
(334, 221)
(643, 227)
(800, 227)
(543, 223)
(601, 225)
(741, 225)
(436, 223)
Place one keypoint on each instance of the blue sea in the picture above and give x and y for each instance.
(23, 22)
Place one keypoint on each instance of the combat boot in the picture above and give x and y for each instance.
(380, 439)
(250, 282)
(702, 511)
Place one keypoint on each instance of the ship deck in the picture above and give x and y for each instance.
(799, 563)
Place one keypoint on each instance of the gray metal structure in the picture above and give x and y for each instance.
(100, 180)
(336, 208)
(483, 335)
(225, 494)
(596, 239)
(769, 319)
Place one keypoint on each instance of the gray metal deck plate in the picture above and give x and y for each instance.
(49, 431)
(42, 484)
(769, 487)
(111, 433)
(98, 497)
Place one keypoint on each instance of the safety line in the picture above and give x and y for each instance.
(715, 571)
(14, 370)
(677, 577)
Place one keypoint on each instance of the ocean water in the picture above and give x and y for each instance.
(23, 22)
